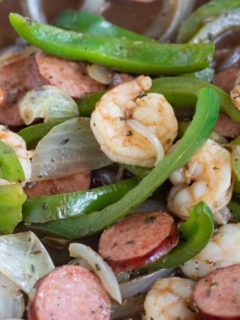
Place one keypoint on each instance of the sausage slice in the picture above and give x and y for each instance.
(227, 127)
(137, 240)
(75, 182)
(69, 293)
(225, 79)
(70, 76)
(217, 295)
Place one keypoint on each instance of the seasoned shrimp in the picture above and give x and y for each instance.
(235, 94)
(221, 251)
(19, 146)
(207, 177)
(170, 299)
(132, 127)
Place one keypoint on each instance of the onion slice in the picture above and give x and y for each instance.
(23, 259)
(100, 267)
(100, 74)
(47, 102)
(68, 148)
(11, 299)
(175, 11)
(95, 6)
(143, 283)
(144, 131)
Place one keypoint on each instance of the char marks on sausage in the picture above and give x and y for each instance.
(217, 294)
(69, 293)
(137, 240)
(75, 182)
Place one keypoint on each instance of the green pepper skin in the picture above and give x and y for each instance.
(10, 167)
(227, 21)
(117, 53)
(205, 117)
(11, 199)
(196, 232)
(198, 18)
(234, 207)
(33, 134)
(62, 206)
(95, 25)
(87, 104)
(182, 93)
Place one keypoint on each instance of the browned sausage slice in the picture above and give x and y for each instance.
(226, 127)
(75, 182)
(69, 293)
(217, 295)
(137, 240)
(68, 75)
(226, 78)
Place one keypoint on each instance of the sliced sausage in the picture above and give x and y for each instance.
(68, 75)
(217, 294)
(226, 127)
(69, 293)
(226, 79)
(137, 240)
(75, 182)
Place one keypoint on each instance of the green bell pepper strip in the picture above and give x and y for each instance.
(235, 159)
(87, 104)
(62, 206)
(204, 75)
(209, 32)
(182, 93)
(117, 53)
(95, 25)
(203, 14)
(10, 167)
(11, 199)
(207, 109)
(34, 133)
(195, 232)
(234, 207)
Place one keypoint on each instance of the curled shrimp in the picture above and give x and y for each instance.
(221, 251)
(133, 127)
(170, 299)
(19, 146)
(206, 177)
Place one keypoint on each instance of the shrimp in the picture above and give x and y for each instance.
(19, 146)
(133, 127)
(170, 299)
(235, 94)
(207, 177)
(221, 251)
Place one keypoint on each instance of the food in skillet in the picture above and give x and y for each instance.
(125, 139)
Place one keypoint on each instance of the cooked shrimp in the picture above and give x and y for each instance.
(207, 177)
(221, 251)
(133, 127)
(19, 146)
(235, 95)
(170, 299)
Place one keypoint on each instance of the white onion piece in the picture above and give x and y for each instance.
(101, 268)
(144, 131)
(95, 6)
(11, 299)
(99, 73)
(23, 259)
(172, 14)
(68, 148)
(48, 103)
(34, 10)
(143, 283)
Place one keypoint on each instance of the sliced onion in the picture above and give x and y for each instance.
(144, 131)
(143, 283)
(11, 299)
(100, 73)
(95, 6)
(48, 103)
(100, 267)
(23, 259)
(34, 10)
(171, 14)
(68, 148)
